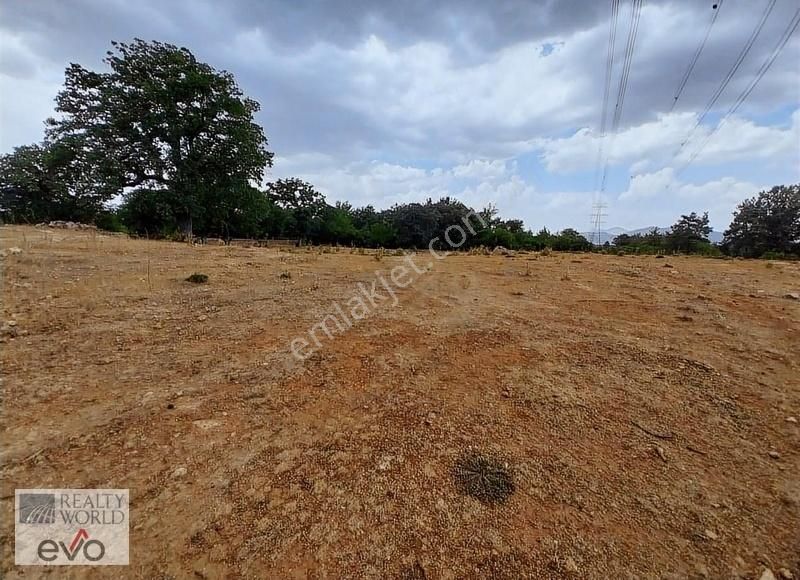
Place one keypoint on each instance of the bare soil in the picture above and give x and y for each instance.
(635, 404)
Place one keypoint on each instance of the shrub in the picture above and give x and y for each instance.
(484, 478)
(197, 278)
(772, 255)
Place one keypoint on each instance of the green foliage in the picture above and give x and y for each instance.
(379, 234)
(772, 255)
(689, 234)
(110, 221)
(149, 212)
(163, 121)
(304, 202)
(769, 222)
(48, 182)
(571, 241)
(336, 226)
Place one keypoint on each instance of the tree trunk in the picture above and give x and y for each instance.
(186, 227)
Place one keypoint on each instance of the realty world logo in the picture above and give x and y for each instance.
(63, 527)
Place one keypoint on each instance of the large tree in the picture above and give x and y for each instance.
(769, 222)
(688, 233)
(302, 199)
(49, 182)
(162, 120)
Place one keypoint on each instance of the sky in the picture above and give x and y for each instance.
(490, 102)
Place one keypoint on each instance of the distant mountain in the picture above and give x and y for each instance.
(609, 234)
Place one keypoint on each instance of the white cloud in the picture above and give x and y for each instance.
(652, 193)
(658, 143)
(477, 182)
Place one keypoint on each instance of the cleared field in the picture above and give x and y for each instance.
(636, 401)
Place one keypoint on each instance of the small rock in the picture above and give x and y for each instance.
(786, 574)
(710, 534)
(178, 472)
(10, 331)
(170, 406)
(11, 322)
(202, 318)
(791, 419)
(774, 454)
(668, 266)
(14, 250)
(570, 566)
(767, 575)
(792, 296)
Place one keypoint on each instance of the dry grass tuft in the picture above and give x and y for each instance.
(197, 278)
(484, 478)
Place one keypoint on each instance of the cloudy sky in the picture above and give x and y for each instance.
(396, 101)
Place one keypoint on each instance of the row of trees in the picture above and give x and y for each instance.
(165, 145)
(688, 235)
(765, 225)
(292, 208)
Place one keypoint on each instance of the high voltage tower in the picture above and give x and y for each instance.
(598, 214)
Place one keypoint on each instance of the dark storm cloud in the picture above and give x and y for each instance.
(304, 62)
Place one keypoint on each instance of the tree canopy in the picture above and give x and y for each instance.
(768, 222)
(162, 120)
(688, 233)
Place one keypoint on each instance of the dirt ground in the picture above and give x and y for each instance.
(243, 462)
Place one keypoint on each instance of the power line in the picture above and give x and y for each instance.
(597, 207)
(727, 79)
(765, 66)
(630, 47)
(716, 8)
(636, 12)
(612, 37)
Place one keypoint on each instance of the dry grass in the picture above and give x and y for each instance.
(485, 478)
(118, 372)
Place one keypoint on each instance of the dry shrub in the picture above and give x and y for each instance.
(487, 479)
(197, 278)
